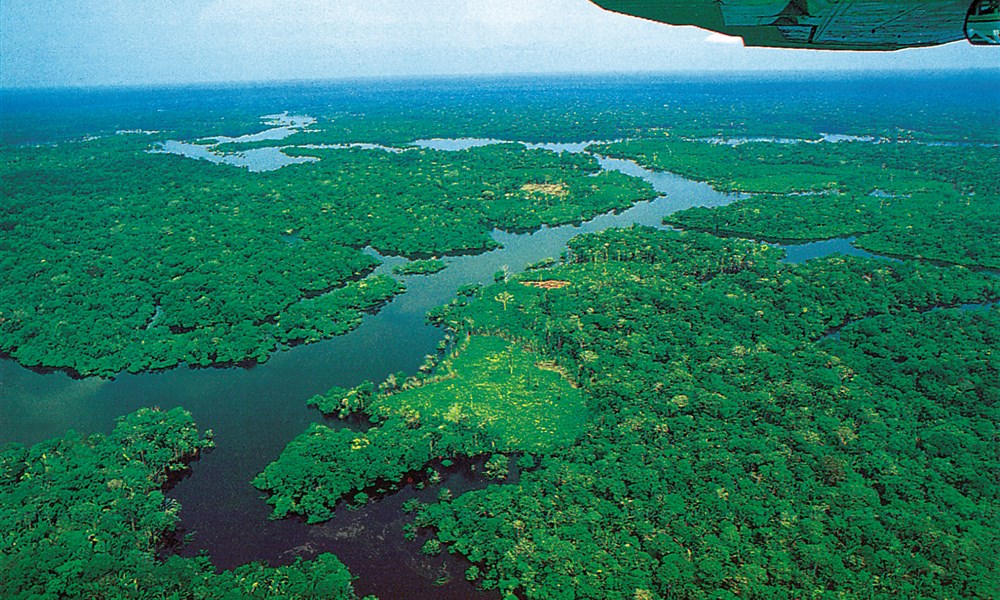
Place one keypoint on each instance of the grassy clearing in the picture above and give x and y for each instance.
(498, 385)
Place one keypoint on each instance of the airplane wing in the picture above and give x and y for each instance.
(829, 24)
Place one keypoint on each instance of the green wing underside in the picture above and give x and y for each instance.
(824, 24)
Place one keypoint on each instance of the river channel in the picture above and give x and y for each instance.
(256, 411)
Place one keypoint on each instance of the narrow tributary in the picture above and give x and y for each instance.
(255, 412)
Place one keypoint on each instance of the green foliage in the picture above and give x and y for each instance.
(301, 480)
(433, 476)
(732, 449)
(336, 312)
(431, 547)
(545, 263)
(508, 392)
(84, 517)
(580, 109)
(186, 261)
(469, 289)
(72, 504)
(720, 457)
(496, 467)
(420, 267)
(321, 578)
(926, 201)
(344, 402)
(490, 395)
(735, 450)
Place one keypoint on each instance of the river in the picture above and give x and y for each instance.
(256, 411)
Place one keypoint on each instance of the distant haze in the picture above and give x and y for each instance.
(54, 43)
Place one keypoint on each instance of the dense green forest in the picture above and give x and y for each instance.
(85, 517)
(573, 108)
(660, 414)
(903, 198)
(489, 395)
(427, 266)
(185, 261)
(734, 448)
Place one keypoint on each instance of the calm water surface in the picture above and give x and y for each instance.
(255, 412)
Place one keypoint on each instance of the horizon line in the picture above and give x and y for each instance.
(713, 76)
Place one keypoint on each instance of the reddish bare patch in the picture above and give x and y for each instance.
(551, 284)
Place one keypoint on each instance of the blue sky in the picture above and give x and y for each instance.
(52, 43)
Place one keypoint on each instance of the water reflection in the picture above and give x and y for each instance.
(254, 159)
(255, 412)
(798, 253)
(459, 144)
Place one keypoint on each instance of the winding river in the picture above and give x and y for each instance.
(255, 412)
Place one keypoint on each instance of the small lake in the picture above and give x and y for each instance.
(255, 412)
(254, 159)
(455, 145)
(835, 138)
(797, 253)
(832, 138)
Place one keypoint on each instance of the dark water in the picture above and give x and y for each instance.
(256, 412)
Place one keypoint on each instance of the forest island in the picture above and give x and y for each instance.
(656, 412)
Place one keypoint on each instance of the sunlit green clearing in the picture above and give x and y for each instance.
(500, 386)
